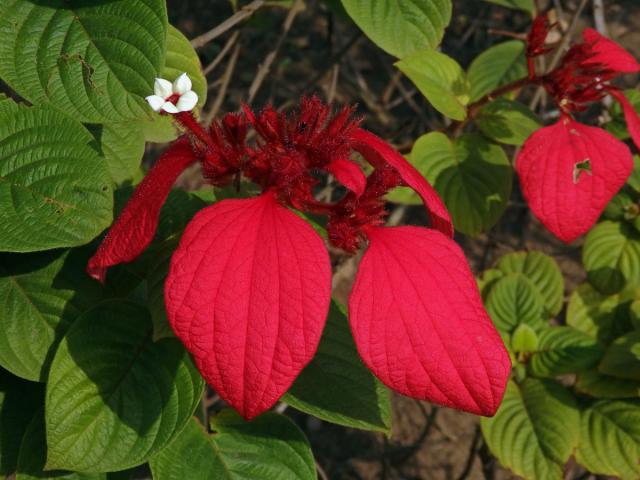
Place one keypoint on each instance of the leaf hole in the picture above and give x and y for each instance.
(581, 167)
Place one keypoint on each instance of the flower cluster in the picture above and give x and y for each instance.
(570, 171)
(249, 285)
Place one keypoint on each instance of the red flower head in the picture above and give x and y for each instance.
(249, 285)
(568, 171)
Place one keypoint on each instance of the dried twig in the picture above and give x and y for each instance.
(227, 46)
(242, 14)
(265, 67)
(226, 78)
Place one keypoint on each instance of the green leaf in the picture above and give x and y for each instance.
(19, 401)
(68, 54)
(401, 28)
(524, 339)
(499, 65)
(114, 397)
(618, 125)
(601, 316)
(507, 121)
(611, 256)
(622, 358)
(634, 314)
(155, 289)
(514, 300)
(526, 5)
(604, 386)
(535, 429)
(564, 350)
(337, 387)
(634, 179)
(122, 145)
(41, 295)
(271, 447)
(180, 58)
(54, 188)
(472, 176)
(542, 271)
(487, 281)
(610, 439)
(33, 455)
(440, 79)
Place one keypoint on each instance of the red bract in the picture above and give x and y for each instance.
(249, 286)
(570, 171)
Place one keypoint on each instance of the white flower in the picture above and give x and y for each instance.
(180, 90)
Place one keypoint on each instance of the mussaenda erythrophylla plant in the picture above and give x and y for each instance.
(570, 171)
(249, 285)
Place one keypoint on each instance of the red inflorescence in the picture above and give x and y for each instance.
(568, 171)
(249, 285)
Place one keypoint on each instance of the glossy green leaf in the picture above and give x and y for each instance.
(155, 288)
(514, 300)
(487, 281)
(41, 295)
(535, 429)
(440, 79)
(33, 454)
(122, 145)
(472, 175)
(599, 385)
(114, 397)
(499, 65)
(271, 447)
(524, 339)
(337, 387)
(618, 125)
(611, 256)
(526, 5)
(610, 439)
(542, 271)
(55, 190)
(71, 55)
(180, 58)
(564, 350)
(422, 23)
(19, 401)
(622, 358)
(507, 121)
(601, 316)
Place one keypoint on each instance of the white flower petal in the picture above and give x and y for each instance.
(156, 102)
(187, 101)
(170, 108)
(163, 88)
(182, 84)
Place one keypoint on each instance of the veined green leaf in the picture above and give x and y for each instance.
(599, 385)
(499, 65)
(472, 175)
(507, 121)
(564, 350)
(610, 439)
(526, 5)
(542, 271)
(604, 317)
(55, 190)
(122, 145)
(93, 60)
(422, 23)
(271, 447)
(535, 429)
(114, 397)
(611, 256)
(514, 300)
(622, 358)
(41, 295)
(337, 387)
(440, 79)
